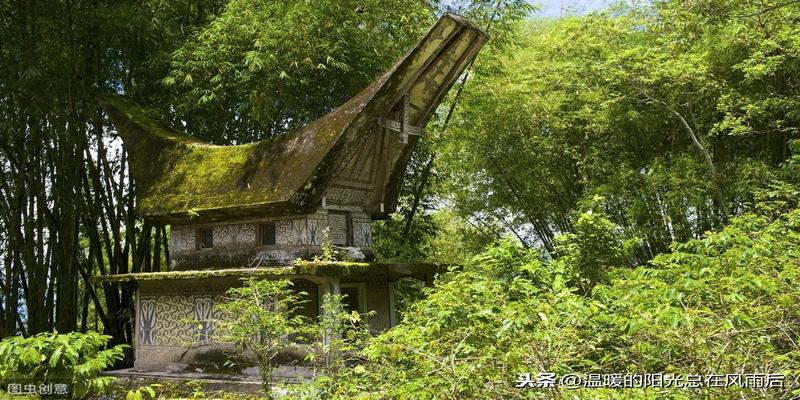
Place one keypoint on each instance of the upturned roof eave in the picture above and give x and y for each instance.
(314, 148)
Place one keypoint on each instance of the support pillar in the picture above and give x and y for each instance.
(330, 287)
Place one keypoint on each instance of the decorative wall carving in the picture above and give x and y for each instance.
(299, 227)
(358, 235)
(338, 228)
(284, 233)
(366, 234)
(293, 237)
(225, 236)
(147, 316)
(177, 320)
(183, 239)
(172, 327)
(313, 232)
(247, 233)
(347, 196)
(203, 318)
(234, 235)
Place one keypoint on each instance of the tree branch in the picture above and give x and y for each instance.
(718, 192)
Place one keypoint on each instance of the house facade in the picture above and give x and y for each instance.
(255, 209)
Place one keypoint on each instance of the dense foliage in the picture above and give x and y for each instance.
(73, 360)
(66, 205)
(638, 165)
(262, 69)
(725, 303)
(673, 112)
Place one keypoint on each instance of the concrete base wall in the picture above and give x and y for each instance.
(168, 339)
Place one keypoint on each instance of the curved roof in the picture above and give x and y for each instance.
(179, 178)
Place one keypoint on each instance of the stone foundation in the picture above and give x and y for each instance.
(168, 340)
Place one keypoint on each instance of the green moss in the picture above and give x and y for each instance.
(153, 276)
(332, 268)
(176, 173)
(202, 177)
(308, 268)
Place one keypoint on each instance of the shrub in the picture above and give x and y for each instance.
(259, 317)
(723, 304)
(73, 358)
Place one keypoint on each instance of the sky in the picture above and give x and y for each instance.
(556, 8)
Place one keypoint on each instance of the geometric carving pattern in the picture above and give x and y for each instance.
(299, 227)
(247, 233)
(313, 232)
(147, 315)
(346, 196)
(225, 235)
(284, 232)
(183, 239)
(233, 235)
(358, 234)
(366, 235)
(288, 232)
(337, 224)
(178, 320)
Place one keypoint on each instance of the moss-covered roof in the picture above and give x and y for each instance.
(301, 268)
(179, 178)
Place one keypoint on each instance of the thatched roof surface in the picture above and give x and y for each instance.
(179, 178)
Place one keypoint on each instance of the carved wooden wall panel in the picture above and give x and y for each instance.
(182, 239)
(337, 224)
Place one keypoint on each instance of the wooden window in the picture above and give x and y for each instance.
(205, 238)
(267, 233)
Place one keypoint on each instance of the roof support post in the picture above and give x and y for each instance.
(326, 292)
(323, 292)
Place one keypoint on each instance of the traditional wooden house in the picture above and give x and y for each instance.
(254, 209)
